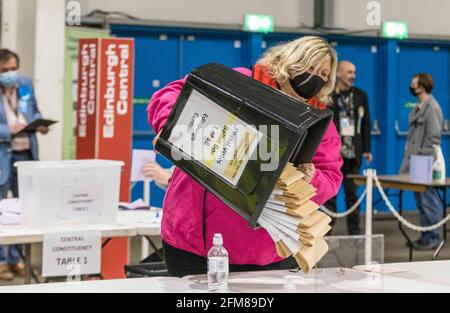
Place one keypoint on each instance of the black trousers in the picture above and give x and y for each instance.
(351, 166)
(181, 263)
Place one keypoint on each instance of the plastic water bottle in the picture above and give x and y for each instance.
(218, 266)
(439, 175)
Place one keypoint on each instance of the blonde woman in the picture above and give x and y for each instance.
(305, 69)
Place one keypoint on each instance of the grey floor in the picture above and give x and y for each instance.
(394, 243)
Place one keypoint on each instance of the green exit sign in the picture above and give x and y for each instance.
(259, 23)
(397, 30)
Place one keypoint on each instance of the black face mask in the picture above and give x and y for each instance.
(309, 89)
(414, 91)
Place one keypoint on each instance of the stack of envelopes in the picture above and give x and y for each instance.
(294, 221)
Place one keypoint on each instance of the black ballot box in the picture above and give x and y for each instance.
(235, 135)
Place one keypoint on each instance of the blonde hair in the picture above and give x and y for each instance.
(290, 59)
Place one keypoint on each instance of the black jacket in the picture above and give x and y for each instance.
(362, 140)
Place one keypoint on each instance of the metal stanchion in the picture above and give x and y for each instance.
(369, 215)
(145, 245)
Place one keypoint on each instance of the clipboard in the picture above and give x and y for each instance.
(33, 126)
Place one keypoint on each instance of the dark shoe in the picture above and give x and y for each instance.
(427, 245)
(420, 241)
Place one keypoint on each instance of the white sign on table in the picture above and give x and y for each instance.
(82, 202)
(72, 253)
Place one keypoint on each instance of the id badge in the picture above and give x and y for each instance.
(347, 127)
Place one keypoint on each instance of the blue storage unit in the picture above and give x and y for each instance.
(156, 65)
(199, 50)
(384, 71)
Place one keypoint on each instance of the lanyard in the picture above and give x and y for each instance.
(346, 102)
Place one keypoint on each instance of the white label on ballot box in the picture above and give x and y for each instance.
(216, 138)
(71, 253)
(81, 202)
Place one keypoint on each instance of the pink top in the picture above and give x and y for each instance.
(184, 206)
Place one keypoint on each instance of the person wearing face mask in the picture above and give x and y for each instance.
(18, 108)
(304, 69)
(426, 124)
(352, 118)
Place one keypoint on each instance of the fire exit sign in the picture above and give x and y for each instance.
(259, 23)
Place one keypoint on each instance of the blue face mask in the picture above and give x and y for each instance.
(9, 79)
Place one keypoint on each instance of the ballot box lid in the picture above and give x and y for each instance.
(235, 135)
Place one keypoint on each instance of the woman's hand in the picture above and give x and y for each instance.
(309, 170)
(15, 129)
(43, 130)
(156, 173)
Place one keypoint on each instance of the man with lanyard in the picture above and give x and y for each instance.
(18, 108)
(352, 118)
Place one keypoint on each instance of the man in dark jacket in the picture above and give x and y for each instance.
(352, 118)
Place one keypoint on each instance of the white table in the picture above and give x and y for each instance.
(422, 277)
(142, 285)
(130, 224)
(148, 223)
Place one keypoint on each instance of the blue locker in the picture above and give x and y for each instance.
(157, 64)
(200, 50)
(271, 40)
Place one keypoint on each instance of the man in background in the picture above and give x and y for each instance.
(426, 124)
(352, 119)
(18, 107)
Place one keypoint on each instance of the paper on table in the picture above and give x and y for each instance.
(140, 158)
(421, 169)
(136, 205)
(10, 205)
(10, 212)
(380, 269)
(10, 218)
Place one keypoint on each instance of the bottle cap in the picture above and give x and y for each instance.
(218, 240)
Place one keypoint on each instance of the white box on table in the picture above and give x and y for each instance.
(59, 193)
